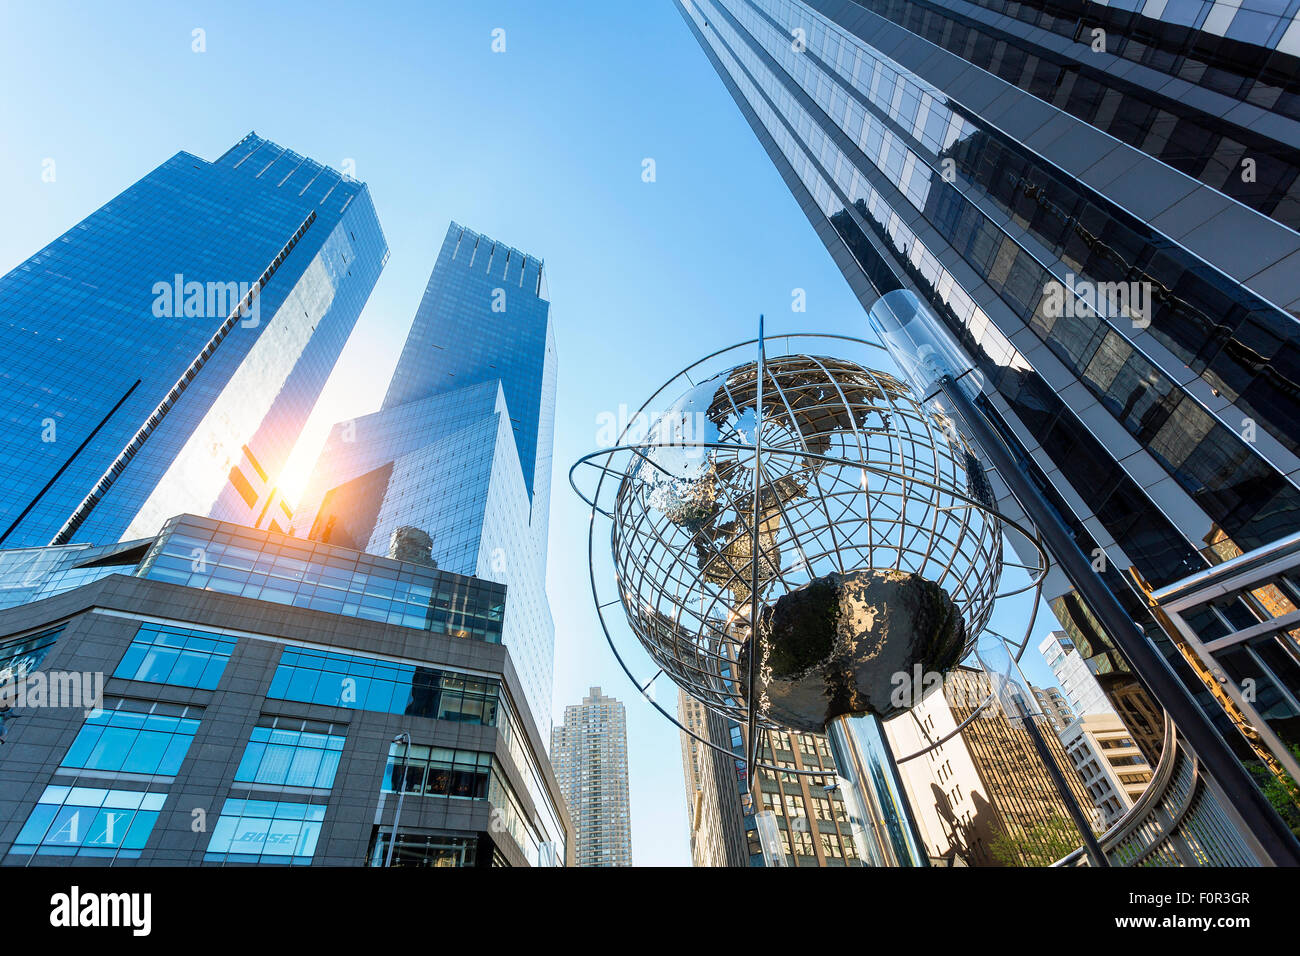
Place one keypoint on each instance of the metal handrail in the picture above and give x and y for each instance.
(1175, 806)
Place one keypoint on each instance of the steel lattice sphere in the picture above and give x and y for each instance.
(877, 547)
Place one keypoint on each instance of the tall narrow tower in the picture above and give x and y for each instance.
(486, 316)
(589, 753)
(460, 451)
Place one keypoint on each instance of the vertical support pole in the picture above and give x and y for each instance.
(397, 814)
(1096, 857)
(755, 651)
(769, 839)
(880, 815)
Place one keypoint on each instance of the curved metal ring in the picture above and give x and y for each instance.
(984, 703)
(951, 734)
(1037, 576)
(609, 639)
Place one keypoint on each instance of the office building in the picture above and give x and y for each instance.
(307, 699)
(1099, 205)
(983, 797)
(713, 811)
(1112, 768)
(589, 753)
(810, 822)
(162, 355)
(1054, 707)
(461, 448)
(807, 824)
(268, 700)
(1080, 688)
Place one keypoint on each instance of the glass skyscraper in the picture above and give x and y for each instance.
(485, 315)
(341, 708)
(461, 448)
(1099, 204)
(128, 314)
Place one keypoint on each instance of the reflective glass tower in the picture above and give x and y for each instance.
(460, 451)
(1098, 202)
(121, 358)
(485, 316)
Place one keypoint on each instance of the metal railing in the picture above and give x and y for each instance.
(1178, 821)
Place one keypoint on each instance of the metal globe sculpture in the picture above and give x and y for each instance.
(825, 502)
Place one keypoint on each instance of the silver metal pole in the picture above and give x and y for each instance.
(880, 814)
(755, 649)
(1096, 856)
(401, 793)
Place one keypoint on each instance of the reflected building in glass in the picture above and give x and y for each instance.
(163, 354)
(1080, 688)
(1108, 761)
(1053, 705)
(460, 450)
(1100, 205)
(981, 794)
(713, 789)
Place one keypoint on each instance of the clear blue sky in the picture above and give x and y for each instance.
(540, 147)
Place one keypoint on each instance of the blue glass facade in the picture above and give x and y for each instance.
(285, 753)
(24, 654)
(281, 696)
(133, 737)
(98, 327)
(342, 680)
(166, 654)
(461, 448)
(30, 574)
(96, 824)
(200, 553)
(265, 831)
(485, 315)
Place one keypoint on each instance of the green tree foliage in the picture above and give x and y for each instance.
(1280, 793)
(1041, 845)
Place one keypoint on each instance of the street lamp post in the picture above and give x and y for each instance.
(401, 793)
